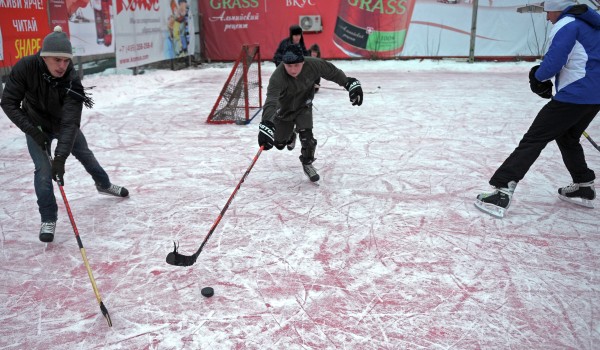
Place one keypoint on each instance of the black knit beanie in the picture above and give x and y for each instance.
(293, 54)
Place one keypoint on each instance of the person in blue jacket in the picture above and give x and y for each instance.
(573, 60)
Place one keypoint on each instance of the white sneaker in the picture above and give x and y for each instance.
(113, 190)
(47, 231)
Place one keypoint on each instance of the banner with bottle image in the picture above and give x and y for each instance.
(91, 26)
(152, 31)
(377, 29)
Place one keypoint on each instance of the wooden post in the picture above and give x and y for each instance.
(473, 31)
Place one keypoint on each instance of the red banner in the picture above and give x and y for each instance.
(58, 15)
(23, 26)
(374, 28)
(229, 24)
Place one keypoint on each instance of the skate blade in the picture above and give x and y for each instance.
(578, 201)
(491, 209)
(314, 182)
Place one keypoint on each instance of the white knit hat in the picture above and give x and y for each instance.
(57, 44)
(558, 5)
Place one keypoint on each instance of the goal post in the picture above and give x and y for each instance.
(240, 99)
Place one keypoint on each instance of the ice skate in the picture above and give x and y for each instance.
(311, 172)
(496, 203)
(47, 231)
(113, 190)
(292, 142)
(579, 193)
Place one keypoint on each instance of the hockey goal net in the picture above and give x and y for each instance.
(241, 97)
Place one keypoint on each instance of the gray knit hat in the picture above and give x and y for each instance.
(558, 5)
(57, 44)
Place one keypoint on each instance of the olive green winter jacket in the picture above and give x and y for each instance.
(288, 96)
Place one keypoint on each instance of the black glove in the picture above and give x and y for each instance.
(541, 88)
(355, 91)
(40, 138)
(58, 170)
(266, 134)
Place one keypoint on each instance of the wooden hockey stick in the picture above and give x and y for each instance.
(82, 249)
(591, 141)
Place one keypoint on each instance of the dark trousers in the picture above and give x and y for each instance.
(42, 176)
(563, 122)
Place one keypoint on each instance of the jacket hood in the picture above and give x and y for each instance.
(584, 13)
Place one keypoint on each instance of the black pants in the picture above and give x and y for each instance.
(563, 122)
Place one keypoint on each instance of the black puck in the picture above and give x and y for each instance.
(207, 292)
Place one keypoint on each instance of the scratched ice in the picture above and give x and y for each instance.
(388, 253)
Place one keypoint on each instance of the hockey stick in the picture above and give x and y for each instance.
(591, 141)
(81, 248)
(177, 259)
(246, 122)
(342, 89)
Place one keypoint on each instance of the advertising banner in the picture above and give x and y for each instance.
(23, 26)
(91, 26)
(227, 25)
(57, 10)
(376, 29)
(152, 31)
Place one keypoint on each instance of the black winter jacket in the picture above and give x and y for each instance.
(32, 98)
(278, 56)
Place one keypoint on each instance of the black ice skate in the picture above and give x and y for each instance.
(311, 172)
(496, 203)
(579, 193)
(47, 231)
(292, 142)
(113, 190)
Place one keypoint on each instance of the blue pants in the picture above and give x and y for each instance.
(42, 178)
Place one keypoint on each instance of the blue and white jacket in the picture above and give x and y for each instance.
(573, 56)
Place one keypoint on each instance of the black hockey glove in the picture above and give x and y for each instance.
(40, 138)
(58, 170)
(266, 134)
(541, 88)
(355, 91)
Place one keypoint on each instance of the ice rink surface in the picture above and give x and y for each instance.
(388, 252)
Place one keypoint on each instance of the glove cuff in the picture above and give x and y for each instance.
(59, 158)
(349, 82)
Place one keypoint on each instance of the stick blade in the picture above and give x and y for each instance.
(176, 259)
(105, 314)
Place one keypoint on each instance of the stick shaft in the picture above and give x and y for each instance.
(82, 249)
(591, 141)
(214, 226)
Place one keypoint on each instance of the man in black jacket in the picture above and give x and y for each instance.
(44, 98)
(296, 38)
